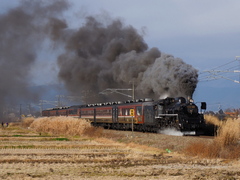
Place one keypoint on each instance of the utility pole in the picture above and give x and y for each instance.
(59, 101)
(29, 109)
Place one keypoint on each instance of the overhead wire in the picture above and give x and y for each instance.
(223, 71)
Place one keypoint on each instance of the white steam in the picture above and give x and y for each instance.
(171, 131)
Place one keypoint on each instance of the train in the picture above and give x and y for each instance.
(145, 115)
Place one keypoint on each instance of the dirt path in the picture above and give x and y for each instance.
(120, 155)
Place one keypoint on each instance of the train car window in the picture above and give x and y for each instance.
(126, 111)
(87, 112)
(139, 110)
(73, 111)
(104, 112)
(91, 112)
(62, 112)
(149, 114)
(120, 112)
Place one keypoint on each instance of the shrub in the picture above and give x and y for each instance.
(64, 126)
(26, 122)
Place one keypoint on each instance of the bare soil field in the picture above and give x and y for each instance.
(25, 154)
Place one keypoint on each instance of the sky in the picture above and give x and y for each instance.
(205, 34)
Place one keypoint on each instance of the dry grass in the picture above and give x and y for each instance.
(204, 150)
(212, 120)
(228, 132)
(26, 122)
(225, 144)
(64, 126)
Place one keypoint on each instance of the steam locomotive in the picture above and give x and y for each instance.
(143, 115)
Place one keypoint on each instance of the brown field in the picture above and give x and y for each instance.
(65, 148)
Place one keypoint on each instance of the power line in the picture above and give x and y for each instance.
(226, 71)
(119, 91)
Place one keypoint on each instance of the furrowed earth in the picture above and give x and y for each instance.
(25, 154)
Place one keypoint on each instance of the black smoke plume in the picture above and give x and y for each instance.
(111, 55)
(22, 30)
